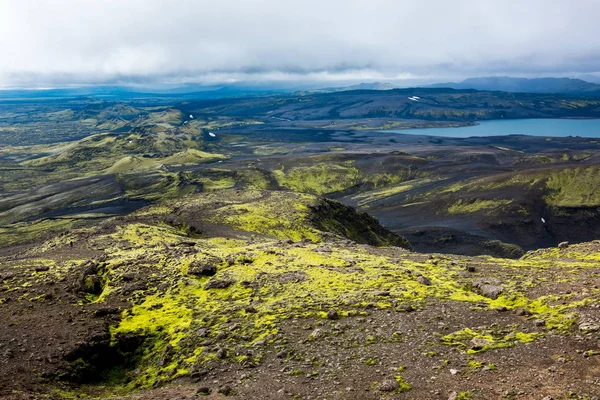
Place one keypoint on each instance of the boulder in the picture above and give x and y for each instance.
(488, 290)
(218, 284)
(202, 269)
(389, 385)
(424, 281)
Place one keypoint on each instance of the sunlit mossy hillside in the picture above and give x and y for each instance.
(561, 187)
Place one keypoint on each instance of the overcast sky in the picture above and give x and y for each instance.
(62, 42)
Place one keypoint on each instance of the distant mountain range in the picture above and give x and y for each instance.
(492, 83)
(131, 92)
(524, 85)
(199, 91)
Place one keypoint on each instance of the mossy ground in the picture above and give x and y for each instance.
(302, 304)
(278, 280)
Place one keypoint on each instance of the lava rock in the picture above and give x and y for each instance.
(424, 281)
(489, 291)
(93, 284)
(478, 343)
(203, 391)
(332, 314)
(588, 327)
(202, 269)
(104, 311)
(218, 284)
(389, 385)
(222, 354)
(225, 390)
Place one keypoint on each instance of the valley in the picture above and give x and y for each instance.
(487, 194)
(290, 246)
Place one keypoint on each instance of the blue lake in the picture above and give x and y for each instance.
(589, 128)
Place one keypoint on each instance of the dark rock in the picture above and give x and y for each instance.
(93, 284)
(250, 309)
(202, 269)
(203, 391)
(42, 268)
(424, 281)
(323, 249)
(202, 332)
(471, 268)
(198, 373)
(292, 277)
(104, 311)
(222, 354)
(133, 287)
(332, 314)
(225, 390)
(221, 336)
(563, 245)
(522, 312)
(128, 277)
(283, 354)
(218, 284)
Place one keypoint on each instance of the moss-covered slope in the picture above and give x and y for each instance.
(217, 285)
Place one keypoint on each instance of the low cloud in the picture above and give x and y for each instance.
(64, 42)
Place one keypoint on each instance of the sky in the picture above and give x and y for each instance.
(57, 43)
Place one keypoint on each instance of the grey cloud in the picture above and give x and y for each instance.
(96, 41)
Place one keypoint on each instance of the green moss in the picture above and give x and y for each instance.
(475, 365)
(364, 199)
(404, 386)
(469, 207)
(293, 281)
(495, 339)
(156, 316)
(574, 187)
(319, 178)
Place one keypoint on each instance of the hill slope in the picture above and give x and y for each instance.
(206, 294)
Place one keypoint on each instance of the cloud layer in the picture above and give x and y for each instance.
(62, 42)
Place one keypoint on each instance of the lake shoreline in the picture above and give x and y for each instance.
(540, 127)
